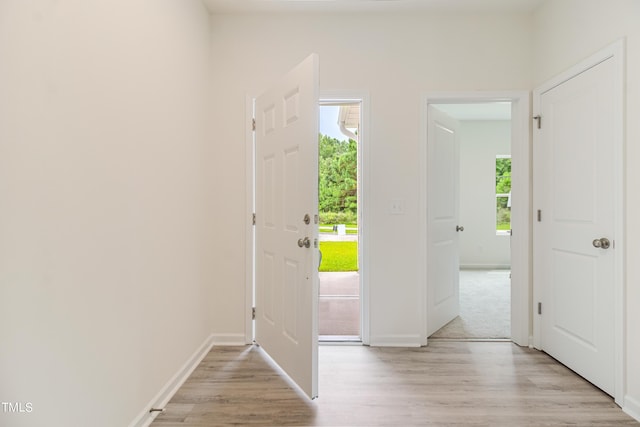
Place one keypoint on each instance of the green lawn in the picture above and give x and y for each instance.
(339, 256)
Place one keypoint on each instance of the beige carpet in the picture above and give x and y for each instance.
(485, 307)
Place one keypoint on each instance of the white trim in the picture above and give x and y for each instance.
(615, 52)
(145, 418)
(520, 220)
(620, 229)
(520, 214)
(631, 407)
(249, 236)
(407, 340)
(228, 339)
(363, 203)
(363, 199)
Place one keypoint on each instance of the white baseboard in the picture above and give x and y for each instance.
(394, 341)
(165, 394)
(632, 407)
(228, 339)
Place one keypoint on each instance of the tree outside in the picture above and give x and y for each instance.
(503, 190)
(338, 180)
(338, 200)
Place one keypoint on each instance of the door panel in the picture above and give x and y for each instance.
(287, 190)
(443, 204)
(575, 175)
(575, 285)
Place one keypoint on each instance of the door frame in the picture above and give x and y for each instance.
(363, 205)
(521, 307)
(249, 232)
(614, 52)
(342, 96)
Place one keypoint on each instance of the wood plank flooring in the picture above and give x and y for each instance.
(444, 384)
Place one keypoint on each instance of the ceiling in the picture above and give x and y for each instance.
(250, 6)
(477, 111)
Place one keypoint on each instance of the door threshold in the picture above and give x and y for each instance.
(339, 340)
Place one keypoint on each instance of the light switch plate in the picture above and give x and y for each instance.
(397, 207)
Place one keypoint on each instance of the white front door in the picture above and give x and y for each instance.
(443, 263)
(575, 222)
(286, 230)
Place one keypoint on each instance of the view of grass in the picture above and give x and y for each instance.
(339, 256)
(504, 226)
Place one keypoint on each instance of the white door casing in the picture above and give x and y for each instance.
(286, 190)
(577, 191)
(520, 210)
(332, 97)
(442, 224)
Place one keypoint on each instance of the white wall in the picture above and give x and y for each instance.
(111, 273)
(566, 32)
(392, 57)
(105, 239)
(480, 142)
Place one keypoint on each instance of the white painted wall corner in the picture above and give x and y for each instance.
(409, 340)
(145, 418)
(228, 339)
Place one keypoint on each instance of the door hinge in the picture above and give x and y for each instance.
(254, 219)
(539, 308)
(253, 125)
(539, 215)
(253, 313)
(539, 119)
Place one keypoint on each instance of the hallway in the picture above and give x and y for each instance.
(447, 383)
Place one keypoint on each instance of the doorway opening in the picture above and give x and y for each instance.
(484, 215)
(489, 273)
(339, 199)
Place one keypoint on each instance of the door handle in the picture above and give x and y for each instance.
(602, 243)
(459, 228)
(304, 243)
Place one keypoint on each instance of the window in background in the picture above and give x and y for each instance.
(503, 194)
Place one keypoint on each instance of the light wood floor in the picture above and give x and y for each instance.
(445, 384)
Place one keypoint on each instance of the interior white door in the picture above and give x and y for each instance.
(443, 263)
(286, 236)
(574, 241)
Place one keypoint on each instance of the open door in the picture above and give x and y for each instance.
(443, 263)
(286, 230)
(577, 214)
